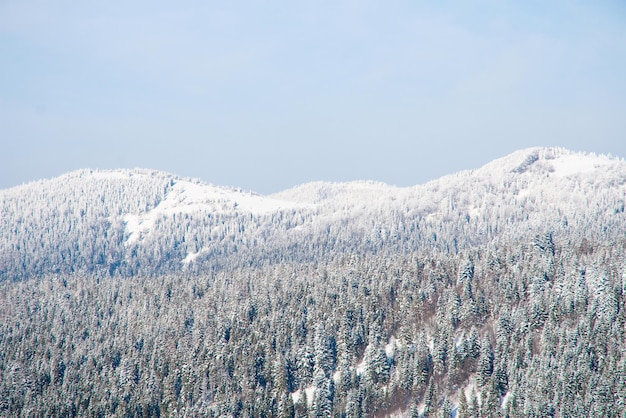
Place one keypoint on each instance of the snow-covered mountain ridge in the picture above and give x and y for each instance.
(188, 197)
(143, 221)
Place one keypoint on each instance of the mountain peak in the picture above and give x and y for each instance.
(552, 161)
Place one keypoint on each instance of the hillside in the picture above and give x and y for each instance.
(128, 222)
(496, 292)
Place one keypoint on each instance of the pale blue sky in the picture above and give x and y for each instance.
(269, 94)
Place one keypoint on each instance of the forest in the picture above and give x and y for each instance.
(532, 329)
(498, 292)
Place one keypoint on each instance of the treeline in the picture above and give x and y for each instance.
(530, 329)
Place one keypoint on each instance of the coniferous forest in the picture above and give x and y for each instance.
(492, 296)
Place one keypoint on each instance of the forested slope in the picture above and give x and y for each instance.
(493, 292)
(516, 330)
(140, 222)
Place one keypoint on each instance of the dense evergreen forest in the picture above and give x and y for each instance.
(493, 293)
(534, 329)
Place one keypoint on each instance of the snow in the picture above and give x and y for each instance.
(458, 340)
(296, 396)
(187, 197)
(390, 348)
(348, 193)
(337, 376)
(505, 399)
(191, 257)
(196, 196)
(567, 165)
(558, 162)
(109, 175)
(134, 227)
(310, 395)
(517, 161)
(360, 368)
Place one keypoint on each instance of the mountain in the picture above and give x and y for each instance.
(128, 222)
(495, 292)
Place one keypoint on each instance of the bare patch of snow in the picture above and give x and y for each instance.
(310, 394)
(192, 194)
(360, 368)
(191, 257)
(567, 165)
(309, 391)
(336, 376)
(505, 399)
(390, 348)
(458, 340)
(191, 197)
(296, 396)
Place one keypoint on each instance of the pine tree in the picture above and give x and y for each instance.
(501, 378)
(485, 361)
(423, 361)
(353, 404)
(430, 400)
(279, 375)
(490, 406)
(325, 352)
(377, 366)
(440, 358)
(446, 409)
(305, 363)
(285, 406)
(466, 271)
(323, 399)
(473, 344)
(463, 410)
(454, 365)
(474, 407)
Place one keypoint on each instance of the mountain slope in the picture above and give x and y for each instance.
(493, 292)
(147, 222)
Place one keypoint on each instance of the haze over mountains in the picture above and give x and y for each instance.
(128, 222)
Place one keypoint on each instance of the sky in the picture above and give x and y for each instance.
(265, 95)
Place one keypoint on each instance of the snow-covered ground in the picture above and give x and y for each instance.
(570, 164)
(187, 197)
